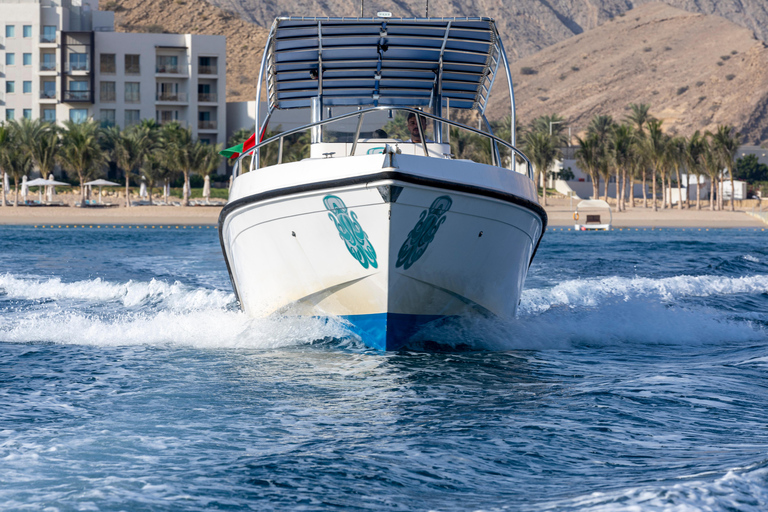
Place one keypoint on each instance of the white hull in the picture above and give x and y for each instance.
(388, 242)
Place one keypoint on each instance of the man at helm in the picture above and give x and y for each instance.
(413, 128)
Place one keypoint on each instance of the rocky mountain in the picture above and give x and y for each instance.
(696, 71)
(527, 26)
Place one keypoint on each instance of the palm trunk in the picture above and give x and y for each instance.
(596, 187)
(619, 190)
(165, 191)
(631, 195)
(188, 192)
(653, 195)
(733, 191)
(645, 189)
(720, 192)
(713, 182)
(698, 192)
(82, 188)
(127, 189)
(680, 191)
(2, 182)
(16, 186)
(149, 192)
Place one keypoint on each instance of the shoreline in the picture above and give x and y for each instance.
(558, 212)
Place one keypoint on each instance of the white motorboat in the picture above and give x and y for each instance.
(593, 215)
(387, 234)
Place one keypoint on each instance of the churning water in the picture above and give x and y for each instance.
(634, 378)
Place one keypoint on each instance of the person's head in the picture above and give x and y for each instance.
(413, 127)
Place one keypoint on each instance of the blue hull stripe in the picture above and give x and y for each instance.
(388, 331)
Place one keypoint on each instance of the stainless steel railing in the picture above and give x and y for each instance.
(280, 138)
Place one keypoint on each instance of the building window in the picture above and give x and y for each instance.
(78, 115)
(49, 34)
(167, 116)
(167, 64)
(132, 65)
(10, 86)
(207, 66)
(132, 92)
(10, 59)
(27, 59)
(132, 117)
(107, 92)
(107, 63)
(49, 90)
(10, 31)
(78, 62)
(27, 113)
(26, 86)
(49, 62)
(107, 117)
(49, 115)
(26, 31)
(78, 91)
(10, 114)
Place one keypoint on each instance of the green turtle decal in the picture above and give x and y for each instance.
(350, 231)
(423, 232)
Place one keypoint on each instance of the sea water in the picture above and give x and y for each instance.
(633, 378)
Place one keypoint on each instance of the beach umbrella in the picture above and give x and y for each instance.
(143, 188)
(207, 189)
(24, 188)
(6, 184)
(167, 191)
(184, 190)
(102, 183)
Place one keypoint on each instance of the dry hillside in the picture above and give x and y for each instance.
(696, 71)
(245, 41)
(527, 26)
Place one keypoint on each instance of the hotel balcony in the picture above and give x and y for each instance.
(171, 97)
(48, 97)
(77, 67)
(77, 96)
(208, 70)
(170, 69)
(48, 41)
(206, 125)
(48, 68)
(207, 97)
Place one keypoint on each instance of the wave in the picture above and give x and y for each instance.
(743, 489)
(175, 296)
(592, 292)
(591, 312)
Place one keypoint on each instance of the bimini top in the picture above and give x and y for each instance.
(382, 61)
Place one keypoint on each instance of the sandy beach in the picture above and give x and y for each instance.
(558, 210)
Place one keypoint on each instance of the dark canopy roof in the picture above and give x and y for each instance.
(381, 61)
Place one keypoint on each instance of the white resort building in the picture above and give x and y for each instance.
(62, 59)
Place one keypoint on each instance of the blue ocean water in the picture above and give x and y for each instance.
(634, 378)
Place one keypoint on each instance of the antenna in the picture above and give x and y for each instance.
(362, 5)
(427, 8)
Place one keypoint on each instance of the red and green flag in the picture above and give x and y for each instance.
(236, 151)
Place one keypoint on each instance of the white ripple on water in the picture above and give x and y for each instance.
(743, 489)
(592, 292)
(588, 311)
(130, 294)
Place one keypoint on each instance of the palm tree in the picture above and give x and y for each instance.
(543, 151)
(725, 144)
(676, 159)
(80, 150)
(40, 140)
(712, 166)
(178, 152)
(622, 154)
(5, 151)
(589, 156)
(552, 124)
(653, 147)
(601, 127)
(694, 161)
(140, 141)
(638, 117)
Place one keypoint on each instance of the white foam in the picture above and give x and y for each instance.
(206, 328)
(751, 258)
(592, 292)
(739, 489)
(175, 296)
